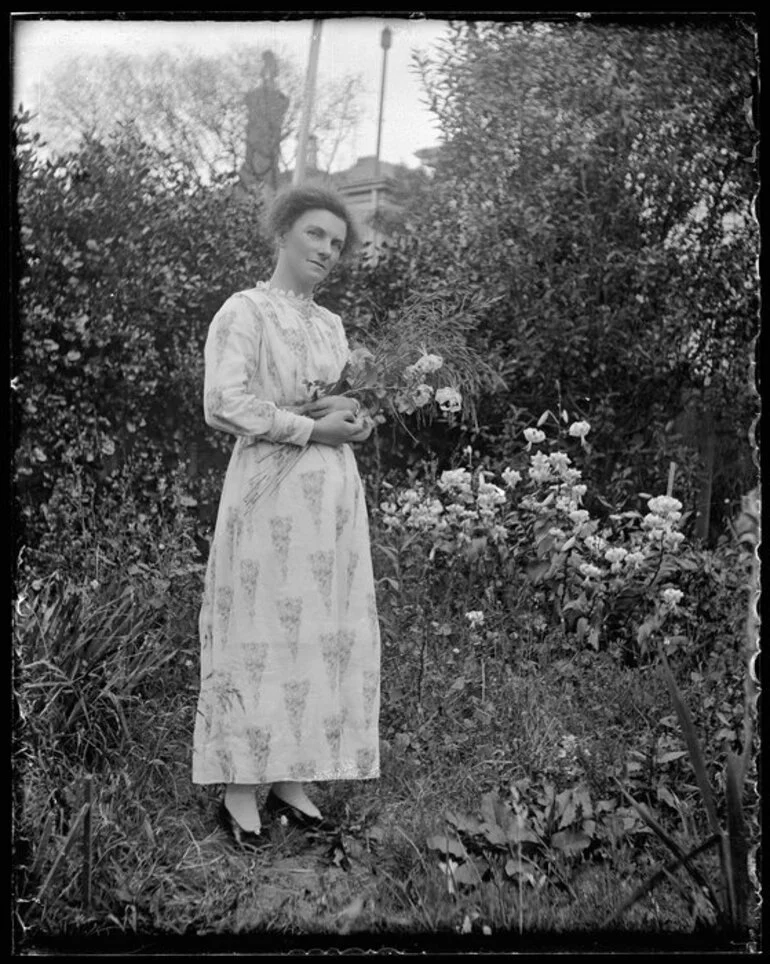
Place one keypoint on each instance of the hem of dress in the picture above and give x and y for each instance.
(317, 778)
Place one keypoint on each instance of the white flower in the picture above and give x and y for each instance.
(475, 617)
(590, 571)
(428, 363)
(579, 516)
(458, 479)
(665, 505)
(559, 460)
(634, 559)
(422, 395)
(672, 597)
(671, 540)
(490, 494)
(511, 477)
(596, 544)
(570, 475)
(449, 400)
(579, 429)
(615, 554)
(654, 521)
(540, 468)
(534, 436)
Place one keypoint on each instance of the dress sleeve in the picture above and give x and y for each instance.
(231, 355)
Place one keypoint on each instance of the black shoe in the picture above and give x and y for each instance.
(279, 808)
(246, 839)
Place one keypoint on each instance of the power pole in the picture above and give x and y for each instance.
(385, 41)
(307, 104)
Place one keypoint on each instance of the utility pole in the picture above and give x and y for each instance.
(385, 41)
(307, 104)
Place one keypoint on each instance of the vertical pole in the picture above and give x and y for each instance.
(671, 473)
(307, 103)
(385, 41)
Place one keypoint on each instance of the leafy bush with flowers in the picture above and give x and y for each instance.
(530, 521)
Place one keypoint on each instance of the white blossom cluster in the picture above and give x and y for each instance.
(469, 505)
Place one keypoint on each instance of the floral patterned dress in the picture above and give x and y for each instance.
(290, 643)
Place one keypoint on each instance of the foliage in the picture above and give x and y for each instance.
(601, 579)
(121, 266)
(730, 902)
(598, 181)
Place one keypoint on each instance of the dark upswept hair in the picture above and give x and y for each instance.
(293, 202)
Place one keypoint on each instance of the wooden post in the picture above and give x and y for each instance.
(307, 104)
(671, 473)
(708, 451)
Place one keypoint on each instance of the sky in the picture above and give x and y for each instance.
(348, 45)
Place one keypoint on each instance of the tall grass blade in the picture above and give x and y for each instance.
(737, 841)
(70, 839)
(87, 845)
(675, 848)
(42, 845)
(659, 875)
(693, 747)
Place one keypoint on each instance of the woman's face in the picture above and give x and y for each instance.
(312, 246)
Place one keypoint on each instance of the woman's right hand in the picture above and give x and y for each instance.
(336, 428)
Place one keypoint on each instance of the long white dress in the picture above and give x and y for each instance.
(290, 642)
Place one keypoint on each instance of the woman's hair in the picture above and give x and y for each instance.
(293, 202)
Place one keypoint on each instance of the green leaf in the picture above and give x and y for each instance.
(445, 844)
(536, 571)
(570, 841)
(518, 832)
(693, 747)
(463, 822)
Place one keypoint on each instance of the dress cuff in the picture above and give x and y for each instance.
(293, 428)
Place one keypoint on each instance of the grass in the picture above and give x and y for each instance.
(476, 729)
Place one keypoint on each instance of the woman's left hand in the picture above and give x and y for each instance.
(331, 403)
(366, 429)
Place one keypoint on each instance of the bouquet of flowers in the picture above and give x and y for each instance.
(399, 375)
(386, 384)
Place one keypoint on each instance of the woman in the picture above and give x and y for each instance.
(290, 645)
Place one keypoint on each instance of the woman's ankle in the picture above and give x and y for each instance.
(241, 803)
(293, 793)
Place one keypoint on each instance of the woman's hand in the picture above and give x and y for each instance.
(366, 427)
(331, 403)
(337, 427)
